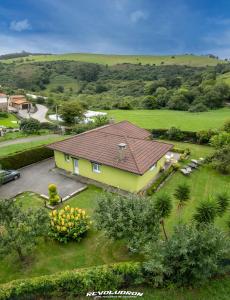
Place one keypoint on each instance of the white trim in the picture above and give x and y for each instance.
(96, 167)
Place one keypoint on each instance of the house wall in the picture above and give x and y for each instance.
(111, 176)
(149, 176)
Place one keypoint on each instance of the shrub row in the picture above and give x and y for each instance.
(175, 134)
(24, 158)
(74, 283)
(159, 180)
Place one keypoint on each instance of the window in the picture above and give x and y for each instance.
(96, 168)
(67, 157)
(153, 167)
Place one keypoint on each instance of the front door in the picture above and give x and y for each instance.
(75, 166)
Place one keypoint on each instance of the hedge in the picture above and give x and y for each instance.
(199, 137)
(24, 158)
(159, 180)
(75, 282)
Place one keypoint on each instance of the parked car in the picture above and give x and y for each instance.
(8, 175)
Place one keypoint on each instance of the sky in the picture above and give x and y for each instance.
(116, 26)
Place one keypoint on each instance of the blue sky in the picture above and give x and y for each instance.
(116, 26)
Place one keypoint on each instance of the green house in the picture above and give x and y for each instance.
(120, 155)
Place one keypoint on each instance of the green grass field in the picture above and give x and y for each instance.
(63, 80)
(225, 77)
(190, 60)
(167, 118)
(11, 121)
(7, 150)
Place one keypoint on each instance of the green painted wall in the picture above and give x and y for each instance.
(118, 178)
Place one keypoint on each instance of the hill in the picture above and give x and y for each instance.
(190, 60)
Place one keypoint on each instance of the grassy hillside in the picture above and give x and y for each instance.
(63, 80)
(225, 77)
(168, 118)
(190, 60)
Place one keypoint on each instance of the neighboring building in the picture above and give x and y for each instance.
(119, 155)
(3, 102)
(19, 102)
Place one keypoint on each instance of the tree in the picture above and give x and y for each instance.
(131, 218)
(220, 140)
(182, 193)
(71, 112)
(20, 229)
(222, 200)
(226, 126)
(206, 212)
(220, 160)
(30, 125)
(150, 102)
(101, 120)
(163, 205)
(189, 257)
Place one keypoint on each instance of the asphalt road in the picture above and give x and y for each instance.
(36, 178)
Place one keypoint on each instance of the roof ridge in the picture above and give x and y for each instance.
(131, 151)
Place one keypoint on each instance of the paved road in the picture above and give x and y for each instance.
(39, 115)
(27, 140)
(36, 178)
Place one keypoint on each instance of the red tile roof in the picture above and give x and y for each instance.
(101, 145)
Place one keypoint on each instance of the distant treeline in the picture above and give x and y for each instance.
(122, 86)
(19, 54)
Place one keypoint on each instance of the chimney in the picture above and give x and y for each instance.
(121, 149)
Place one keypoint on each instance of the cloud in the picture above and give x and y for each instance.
(20, 25)
(137, 15)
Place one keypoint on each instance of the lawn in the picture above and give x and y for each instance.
(11, 121)
(167, 118)
(204, 182)
(11, 149)
(96, 249)
(190, 60)
(51, 256)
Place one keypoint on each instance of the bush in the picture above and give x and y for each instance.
(204, 136)
(68, 224)
(175, 134)
(3, 114)
(25, 158)
(159, 180)
(73, 283)
(199, 107)
(30, 125)
(53, 194)
(48, 125)
(189, 257)
(220, 160)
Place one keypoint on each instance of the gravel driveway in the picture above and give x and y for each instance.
(36, 178)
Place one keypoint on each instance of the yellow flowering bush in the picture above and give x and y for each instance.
(69, 223)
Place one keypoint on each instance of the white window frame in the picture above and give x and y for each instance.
(153, 167)
(67, 157)
(96, 167)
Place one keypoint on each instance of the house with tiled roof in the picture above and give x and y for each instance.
(120, 155)
(19, 102)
